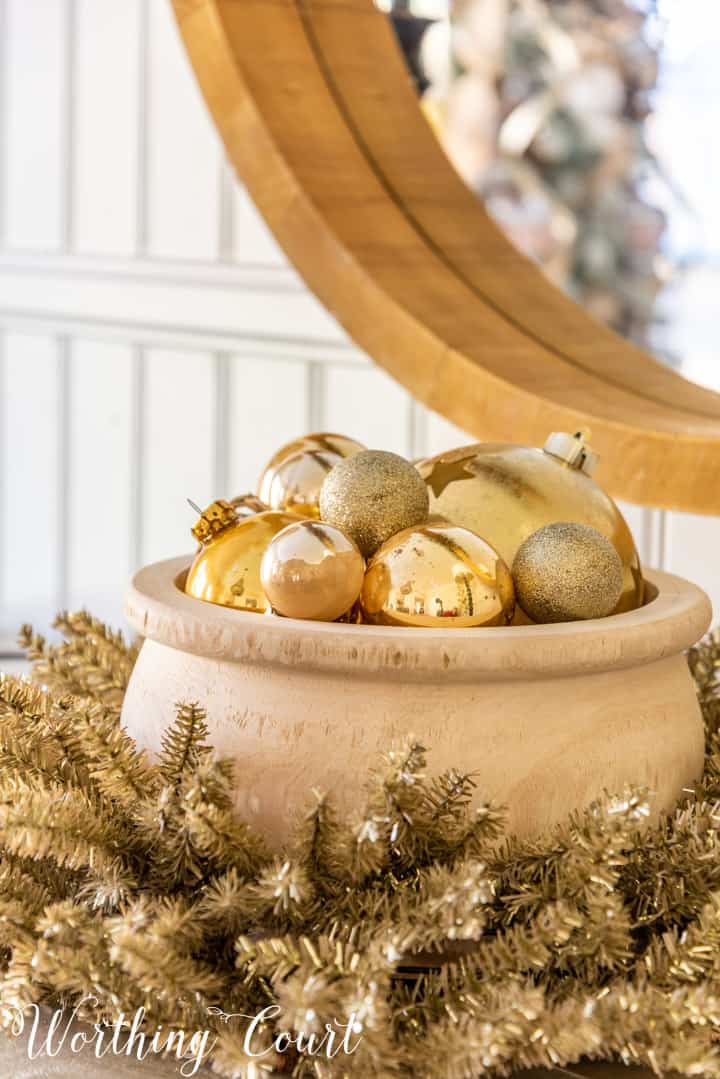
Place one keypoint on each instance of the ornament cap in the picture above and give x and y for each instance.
(216, 517)
(573, 450)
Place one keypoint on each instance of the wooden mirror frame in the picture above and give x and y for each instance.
(321, 121)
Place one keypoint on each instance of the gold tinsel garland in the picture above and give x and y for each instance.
(135, 884)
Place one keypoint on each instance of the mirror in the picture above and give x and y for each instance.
(322, 124)
(585, 129)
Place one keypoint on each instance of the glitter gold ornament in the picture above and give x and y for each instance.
(373, 495)
(294, 474)
(312, 570)
(567, 571)
(506, 492)
(226, 570)
(438, 576)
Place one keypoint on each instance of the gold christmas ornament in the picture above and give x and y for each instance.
(373, 495)
(567, 571)
(295, 483)
(440, 577)
(248, 504)
(506, 492)
(226, 570)
(312, 570)
(294, 474)
(324, 441)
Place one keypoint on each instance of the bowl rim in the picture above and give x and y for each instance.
(668, 624)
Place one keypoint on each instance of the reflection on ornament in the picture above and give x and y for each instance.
(373, 495)
(565, 572)
(227, 568)
(338, 446)
(295, 483)
(312, 570)
(506, 492)
(248, 504)
(437, 576)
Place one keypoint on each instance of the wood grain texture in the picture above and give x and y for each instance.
(597, 705)
(313, 103)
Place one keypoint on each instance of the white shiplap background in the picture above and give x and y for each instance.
(154, 342)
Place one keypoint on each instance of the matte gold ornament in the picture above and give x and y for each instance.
(373, 495)
(226, 570)
(506, 492)
(312, 570)
(294, 474)
(437, 576)
(567, 571)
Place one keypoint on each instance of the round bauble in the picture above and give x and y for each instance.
(506, 492)
(248, 504)
(294, 474)
(373, 495)
(324, 441)
(227, 568)
(312, 570)
(295, 483)
(565, 572)
(437, 576)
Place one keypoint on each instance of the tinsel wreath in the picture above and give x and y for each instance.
(135, 884)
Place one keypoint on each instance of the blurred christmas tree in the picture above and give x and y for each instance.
(541, 105)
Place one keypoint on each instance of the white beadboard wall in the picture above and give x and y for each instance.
(154, 343)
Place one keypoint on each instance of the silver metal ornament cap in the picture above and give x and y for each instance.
(573, 450)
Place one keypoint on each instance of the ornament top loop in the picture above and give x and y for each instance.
(214, 519)
(573, 450)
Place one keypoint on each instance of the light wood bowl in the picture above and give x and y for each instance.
(547, 717)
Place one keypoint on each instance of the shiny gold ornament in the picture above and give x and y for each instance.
(440, 577)
(373, 495)
(248, 504)
(506, 492)
(295, 483)
(226, 570)
(294, 474)
(565, 572)
(312, 570)
(324, 441)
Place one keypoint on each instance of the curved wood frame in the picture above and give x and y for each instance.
(338, 157)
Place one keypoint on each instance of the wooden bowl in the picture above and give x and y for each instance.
(547, 717)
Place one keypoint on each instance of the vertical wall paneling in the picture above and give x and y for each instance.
(99, 498)
(226, 212)
(253, 243)
(267, 408)
(222, 425)
(4, 68)
(36, 87)
(136, 456)
(106, 84)
(4, 470)
(315, 391)
(367, 404)
(693, 551)
(441, 435)
(184, 156)
(179, 458)
(63, 473)
(142, 98)
(30, 517)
